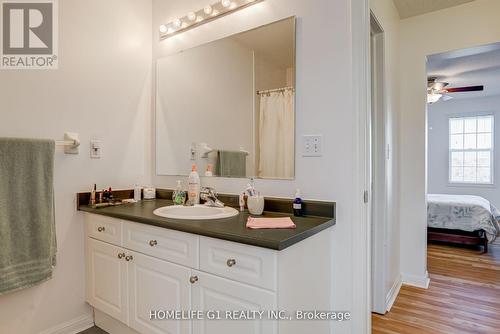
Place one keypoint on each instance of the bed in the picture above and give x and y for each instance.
(463, 219)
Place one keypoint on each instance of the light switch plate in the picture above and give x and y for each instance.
(95, 149)
(312, 145)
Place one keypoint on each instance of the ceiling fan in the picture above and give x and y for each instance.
(436, 90)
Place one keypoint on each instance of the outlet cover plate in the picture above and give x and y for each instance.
(312, 145)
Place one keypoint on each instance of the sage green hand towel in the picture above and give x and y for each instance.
(27, 222)
(232, 163)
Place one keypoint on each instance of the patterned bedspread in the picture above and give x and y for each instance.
(463, 212)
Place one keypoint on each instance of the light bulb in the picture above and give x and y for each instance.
(433, 98)
(191, 16)
(199, 18)
(215, 13)
(177, 23)
(163, 28)
(233, 5)
(208, 9)
(226, 3)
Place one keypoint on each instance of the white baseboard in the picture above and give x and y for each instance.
(417, 281)
(393, 293)
(73, 326)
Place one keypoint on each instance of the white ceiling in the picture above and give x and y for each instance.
(468, 67)
(408, 8)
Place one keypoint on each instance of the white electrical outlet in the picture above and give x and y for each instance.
(95, 149)
(311, 145)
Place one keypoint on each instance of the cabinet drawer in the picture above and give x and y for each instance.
(248, 264)
(173, 246)
(104, 228)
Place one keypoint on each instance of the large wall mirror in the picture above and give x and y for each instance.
(229, 106)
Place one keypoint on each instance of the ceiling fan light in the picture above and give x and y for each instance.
(433, 98)
(439, 85)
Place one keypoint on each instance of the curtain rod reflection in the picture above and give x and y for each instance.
(260, 92)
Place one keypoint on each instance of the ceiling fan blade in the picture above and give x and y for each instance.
(465, 89)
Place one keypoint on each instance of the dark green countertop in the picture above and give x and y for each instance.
(232, 229)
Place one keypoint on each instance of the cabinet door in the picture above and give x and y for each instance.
(107, 279)
(157, 285)
(215, 293)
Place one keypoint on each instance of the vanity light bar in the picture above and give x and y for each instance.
(202, 16)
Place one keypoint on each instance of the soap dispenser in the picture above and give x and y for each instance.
(179, 196)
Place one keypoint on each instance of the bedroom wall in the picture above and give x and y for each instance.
(468, 25)
(101, 90)
(438, 115)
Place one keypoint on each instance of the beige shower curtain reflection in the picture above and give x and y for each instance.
(276, 135)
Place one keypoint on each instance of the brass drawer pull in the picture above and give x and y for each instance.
(129, 258)
(101, 229)
(193, 279)
(231, 262)
(153, 243)
(121, 255)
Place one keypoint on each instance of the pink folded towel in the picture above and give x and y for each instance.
(257, 223)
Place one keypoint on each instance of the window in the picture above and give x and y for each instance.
(471, 150)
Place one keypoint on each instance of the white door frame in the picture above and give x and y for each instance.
(361, 232)
(379, 172)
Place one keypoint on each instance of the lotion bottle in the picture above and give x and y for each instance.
(297, 204)
(242, 201)
(194, 186)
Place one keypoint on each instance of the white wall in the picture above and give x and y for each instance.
(324, 106)
(388, 17)
(199, 106)
(468, 25)
(101, 90)
(438, 153)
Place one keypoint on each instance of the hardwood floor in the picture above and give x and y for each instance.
(463, 296)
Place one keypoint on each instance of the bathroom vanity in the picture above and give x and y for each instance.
(138, 263)
(231, 112)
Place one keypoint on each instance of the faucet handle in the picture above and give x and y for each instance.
(208, 189)
(209, 195)
(207, 192)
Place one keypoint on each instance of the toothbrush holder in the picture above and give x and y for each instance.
(255, 204)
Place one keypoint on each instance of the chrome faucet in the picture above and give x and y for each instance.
(209, 195)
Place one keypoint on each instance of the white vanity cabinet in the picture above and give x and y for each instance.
(127, 284)
(107, 279)
(133, 269)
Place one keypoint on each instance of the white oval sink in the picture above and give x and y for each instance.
(197, 212)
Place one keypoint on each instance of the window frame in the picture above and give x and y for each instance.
(491, 150)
